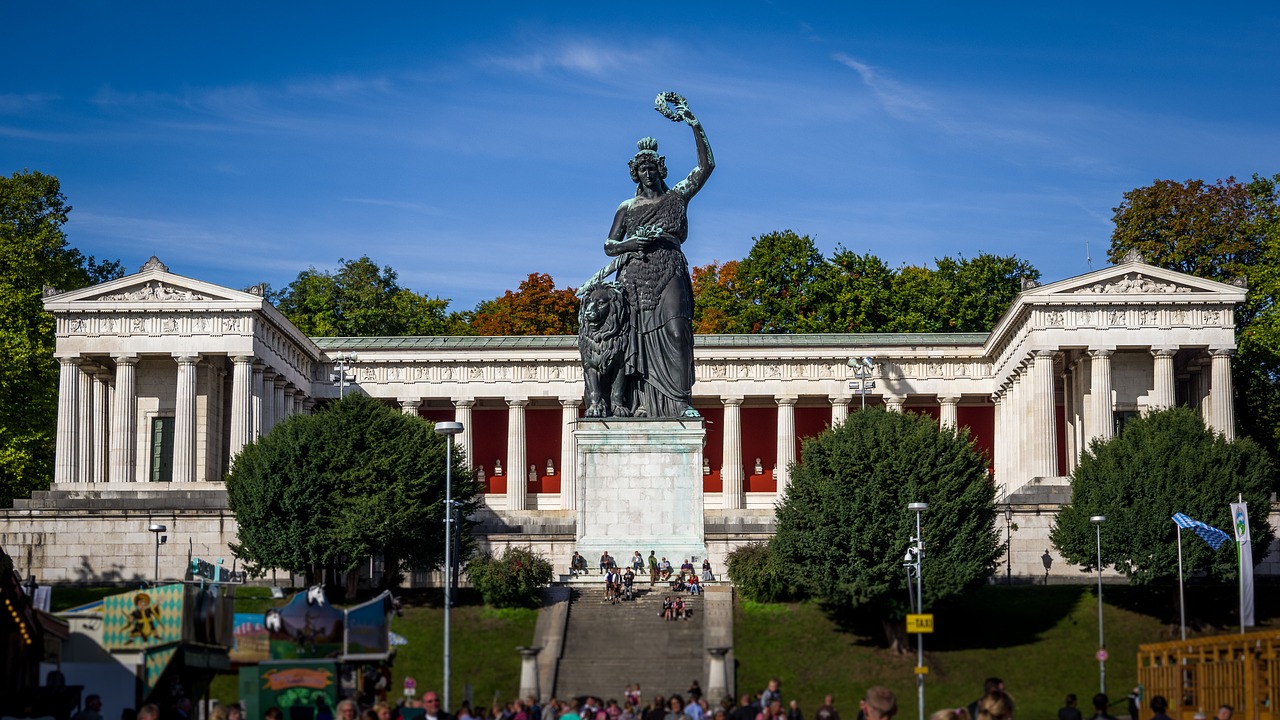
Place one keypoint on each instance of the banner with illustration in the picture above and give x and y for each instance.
(143, 618)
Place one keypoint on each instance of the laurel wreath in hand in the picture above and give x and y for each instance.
(664, 103)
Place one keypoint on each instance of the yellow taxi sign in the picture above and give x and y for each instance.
(920, 623)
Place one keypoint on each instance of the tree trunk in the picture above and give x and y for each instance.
(895, 632)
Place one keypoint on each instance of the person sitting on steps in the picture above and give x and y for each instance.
(577, 565)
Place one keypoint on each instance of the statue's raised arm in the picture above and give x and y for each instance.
(675, 108)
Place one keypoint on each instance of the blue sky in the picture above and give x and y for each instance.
(468, 147)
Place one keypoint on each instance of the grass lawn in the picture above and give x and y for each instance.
(1039, 640)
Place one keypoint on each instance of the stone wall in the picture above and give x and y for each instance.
(92, 536)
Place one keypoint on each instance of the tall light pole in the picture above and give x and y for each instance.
(340, 376)
(915, 554)
(157, 529)
(448, 429)
(863, 367)
(1097, 521)
(1008, 544)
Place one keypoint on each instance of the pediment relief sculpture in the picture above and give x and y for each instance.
(153, 291)
(1131, 283)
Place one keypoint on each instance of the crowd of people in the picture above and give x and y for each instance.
(620, 582)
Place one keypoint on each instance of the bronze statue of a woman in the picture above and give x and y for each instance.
(653, 275)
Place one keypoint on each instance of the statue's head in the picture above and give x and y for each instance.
(648, 155)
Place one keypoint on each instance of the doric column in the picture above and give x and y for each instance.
(462, 414)
(1163, 396)
(894, 403)
(85, 416)
(786, 446)
(101, 424)
(731, 455)
(278, 414)
(1001, 445)
(1069, 417)
(1220, 396)
(948, 417)
(124, 419)
(568, 453)
(184, 420)
(290, 401)
(1017, 474)
(1101, 407)
(241, 403)
(840, 409)
(409, 406)
(1044, 454)
(517, 467)
(67, 443)
(268, 418)
(259, 403)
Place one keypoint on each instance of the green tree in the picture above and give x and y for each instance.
(859, 290)
(1221, 231)
(778, 284)
(977, 292)
(1164, 463)
(33, 254)
(844, 527)
(535, 308)
(333, 489)
(359, 300)
(513, 579)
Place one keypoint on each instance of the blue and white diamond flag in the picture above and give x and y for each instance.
(1208, 533)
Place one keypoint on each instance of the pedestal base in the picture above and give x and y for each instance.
(640, 488)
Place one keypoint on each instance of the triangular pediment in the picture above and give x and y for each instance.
(154, 284)
(1133, 278)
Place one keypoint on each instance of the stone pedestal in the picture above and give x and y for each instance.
(640, 488)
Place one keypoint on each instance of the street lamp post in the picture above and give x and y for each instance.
(449, 430)
(1097, 521)
(340, 376)
(157, 528)
(915, 554)
(1008, 544)
(863, 367)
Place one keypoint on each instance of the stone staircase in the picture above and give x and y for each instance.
(609, 646)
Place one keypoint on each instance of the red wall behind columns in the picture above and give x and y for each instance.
(542, 441)
(489, 442)
(810, 421)
(981, 421)
(1060, 419)
(759, 440)
(713, 450)
(436, 414)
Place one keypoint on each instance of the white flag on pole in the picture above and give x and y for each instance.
(1240, 520)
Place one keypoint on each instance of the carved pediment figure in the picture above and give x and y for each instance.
(153, 291)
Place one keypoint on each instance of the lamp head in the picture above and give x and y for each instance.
(918, 506)
(448, 428)
(157, 528)
(1098, 519)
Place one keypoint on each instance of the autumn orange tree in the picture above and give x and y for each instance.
(536, 308)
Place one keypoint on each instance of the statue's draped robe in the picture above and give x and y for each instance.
(660, 295)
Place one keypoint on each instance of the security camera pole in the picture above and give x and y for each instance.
(863, 367)
(915, 553)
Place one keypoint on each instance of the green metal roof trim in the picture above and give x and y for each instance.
(528, 342)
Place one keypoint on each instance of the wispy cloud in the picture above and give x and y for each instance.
(898, 100)
(397, 204)
(576, 57)
(20, 103)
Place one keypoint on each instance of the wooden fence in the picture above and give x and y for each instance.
(1200, 675)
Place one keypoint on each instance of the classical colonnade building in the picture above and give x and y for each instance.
(164, 378)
